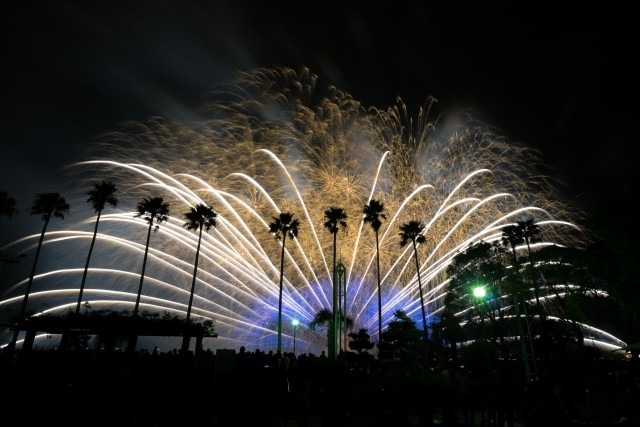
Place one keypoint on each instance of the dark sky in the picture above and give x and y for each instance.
(557, 78)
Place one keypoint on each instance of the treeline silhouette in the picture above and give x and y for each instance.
(256, 388)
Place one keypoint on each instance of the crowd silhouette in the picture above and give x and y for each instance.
(258, 388)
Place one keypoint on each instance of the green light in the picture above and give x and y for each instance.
(479, 292)
(295, 322)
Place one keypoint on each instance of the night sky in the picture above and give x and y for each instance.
(559, 80)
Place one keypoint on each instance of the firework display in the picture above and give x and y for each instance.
(273, 141)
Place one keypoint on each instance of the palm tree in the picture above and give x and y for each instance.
(101, 195)
(373, 212)
(325, 318)
(47, 205)
(198, 218)
(412, 232)
(512, 236)
(335, 219)
(152, 210)
(7, 205)
(283, 225)
(530, 234)
(7, 208)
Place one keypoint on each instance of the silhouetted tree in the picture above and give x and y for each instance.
(335, 218)
(448, 330)
(401, 339)
(282, 226)
(360, 341)
(512, 237)
(373, 213)
(7, 209)
(412, 232)
(324, 319)
(531, 234)
(8, 205)
(198, 218)
(102, 194)
(152, 210)
(47, 205)
(615, 258)
(480, 264)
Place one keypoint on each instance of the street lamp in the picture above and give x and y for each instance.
(480, 293)
(295, 323)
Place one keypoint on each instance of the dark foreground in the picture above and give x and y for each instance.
(258, 389)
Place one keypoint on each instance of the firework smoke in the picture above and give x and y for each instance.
(273, 142)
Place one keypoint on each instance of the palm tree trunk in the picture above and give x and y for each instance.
(379, 294)
(424, 315)
(344, 315)
(23, 309)
(186, 338)
(86, 266)
(284, 238)
(533, 278)
(133, 338)
(530, 338)
(523, 346)
(333, 345)
(195, 271)
(144, 265)
(541, 315)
